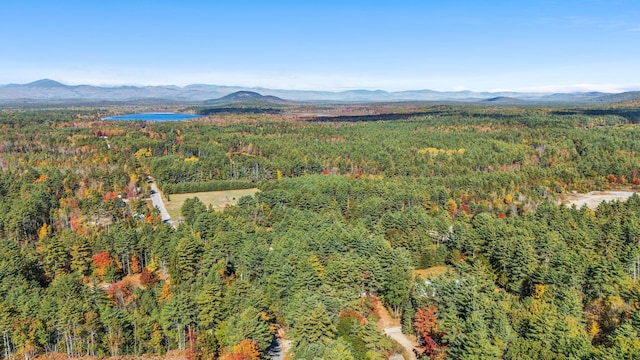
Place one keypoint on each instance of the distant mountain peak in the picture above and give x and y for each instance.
(45, 83)
(243, 95)
(246, 96)
(502, 99)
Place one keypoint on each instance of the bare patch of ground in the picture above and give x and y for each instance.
(217, 199)
(430, 272)
(594, 198)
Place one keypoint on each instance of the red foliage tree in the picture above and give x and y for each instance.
(110, 195)
(426, 324)
(147, 278)
(426, 321)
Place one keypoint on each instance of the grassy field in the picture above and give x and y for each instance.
(217, 199)
(430, 272)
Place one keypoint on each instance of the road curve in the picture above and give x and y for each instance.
(396, 334)
(391, 327)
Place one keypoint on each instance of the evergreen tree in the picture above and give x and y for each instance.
(339, 351)
(249, 324)
(475, 342)
(185, 259)
(209, 303)
(314, 327)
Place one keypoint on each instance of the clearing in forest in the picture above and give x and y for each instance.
(217, 199)
(430, 272)
(594, 198)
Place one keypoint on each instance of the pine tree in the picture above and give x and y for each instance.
(314, 327)
(56, 257)
(475, 342)
(396, 290)
(249, 324)
(339, 351)
(178, 314)
(81, 257)
(186, 257)
(209, 303)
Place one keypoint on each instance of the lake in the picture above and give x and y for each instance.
(154, 117)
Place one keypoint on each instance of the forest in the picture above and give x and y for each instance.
(348, 208)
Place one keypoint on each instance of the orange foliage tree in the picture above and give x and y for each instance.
(135, 263)
(101, 261)
(245, 350)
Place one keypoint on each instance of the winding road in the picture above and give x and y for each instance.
(396, 334)
(389, 325)
(392, 329)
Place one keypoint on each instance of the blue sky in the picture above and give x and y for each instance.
(327, 45)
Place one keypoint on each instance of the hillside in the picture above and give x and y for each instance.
(621, 97)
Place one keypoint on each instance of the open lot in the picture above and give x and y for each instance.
(217, 199)
(594, 198)
(433, 271)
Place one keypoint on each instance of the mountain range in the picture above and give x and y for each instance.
(52, 91)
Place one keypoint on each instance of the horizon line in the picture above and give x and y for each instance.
(548, 89)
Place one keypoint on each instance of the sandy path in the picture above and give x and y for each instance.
(396, 334)
(392, 328)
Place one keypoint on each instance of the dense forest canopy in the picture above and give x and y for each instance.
(348, 207)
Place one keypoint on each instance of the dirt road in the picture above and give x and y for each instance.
(392, 328)
(396, 334)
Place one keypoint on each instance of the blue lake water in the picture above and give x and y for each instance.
(154, 117)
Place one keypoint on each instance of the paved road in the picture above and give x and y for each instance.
(156, 198)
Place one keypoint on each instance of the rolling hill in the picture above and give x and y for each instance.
(47, 90)
(244, 96)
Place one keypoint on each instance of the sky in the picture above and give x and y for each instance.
(541, 46)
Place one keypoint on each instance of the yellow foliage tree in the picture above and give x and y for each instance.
(508, 199)
(43, 232)
(451, 206)
(317, 265)
(142, 153)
